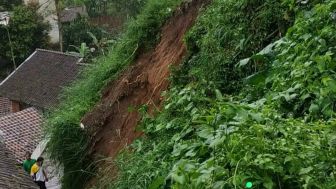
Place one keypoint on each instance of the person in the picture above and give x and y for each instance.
(28, 162)
(39, 174)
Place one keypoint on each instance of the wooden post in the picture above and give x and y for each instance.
(60, 28)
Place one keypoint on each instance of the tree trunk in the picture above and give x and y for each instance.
(60, 28)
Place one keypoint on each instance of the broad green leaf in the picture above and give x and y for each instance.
(157, 183)
(314, 108)
(243, 62)
(178, 178)
(305, 170)
(205, 132)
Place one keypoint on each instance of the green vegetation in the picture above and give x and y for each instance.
(68, 143)
(77, 32)
(27, 31)
(267, 119)
(253, 102)
(6, 5)
(228, 32)
(300, 81)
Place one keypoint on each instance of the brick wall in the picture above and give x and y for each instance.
(5, 106)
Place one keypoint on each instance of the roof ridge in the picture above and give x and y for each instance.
(56, 52)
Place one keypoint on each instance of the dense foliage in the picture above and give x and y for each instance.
(68, 143)
(300, 76)
(6, 5)
(229, 31)
(77, 32)
(27, 31)
(252, 102)
(267, 131)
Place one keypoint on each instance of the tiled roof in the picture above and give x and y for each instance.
(11, 176)
(40, 79)
(5, 106)
(21, 131)
(70, 14)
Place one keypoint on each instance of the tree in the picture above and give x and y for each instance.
(77, 32)
(59, 5)
(27, 31)
(6, 5)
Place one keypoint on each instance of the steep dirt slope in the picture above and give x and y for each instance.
(113, 121)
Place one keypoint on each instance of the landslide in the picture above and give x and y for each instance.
(112, 122)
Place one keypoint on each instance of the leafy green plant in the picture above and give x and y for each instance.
(227, 32)
(300, 79)
(199, 142)
(27, 31)
(6, 5)
(76, 33)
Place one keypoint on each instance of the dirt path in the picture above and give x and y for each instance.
(111, 123)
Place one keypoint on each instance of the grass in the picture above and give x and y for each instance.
(68, 143)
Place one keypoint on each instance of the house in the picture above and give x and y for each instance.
(35, 86)
(40, 79)
(12, 176)
(72, 13)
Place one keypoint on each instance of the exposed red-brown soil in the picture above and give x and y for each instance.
(112, 123)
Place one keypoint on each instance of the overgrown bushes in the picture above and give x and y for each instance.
(77, 32)
(229, 31)
(300, 79)
(219, 143)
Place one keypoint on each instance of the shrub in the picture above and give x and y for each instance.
(77, 32)
(27, 31)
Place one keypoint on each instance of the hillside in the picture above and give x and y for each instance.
(218, 94)
(115, 117)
